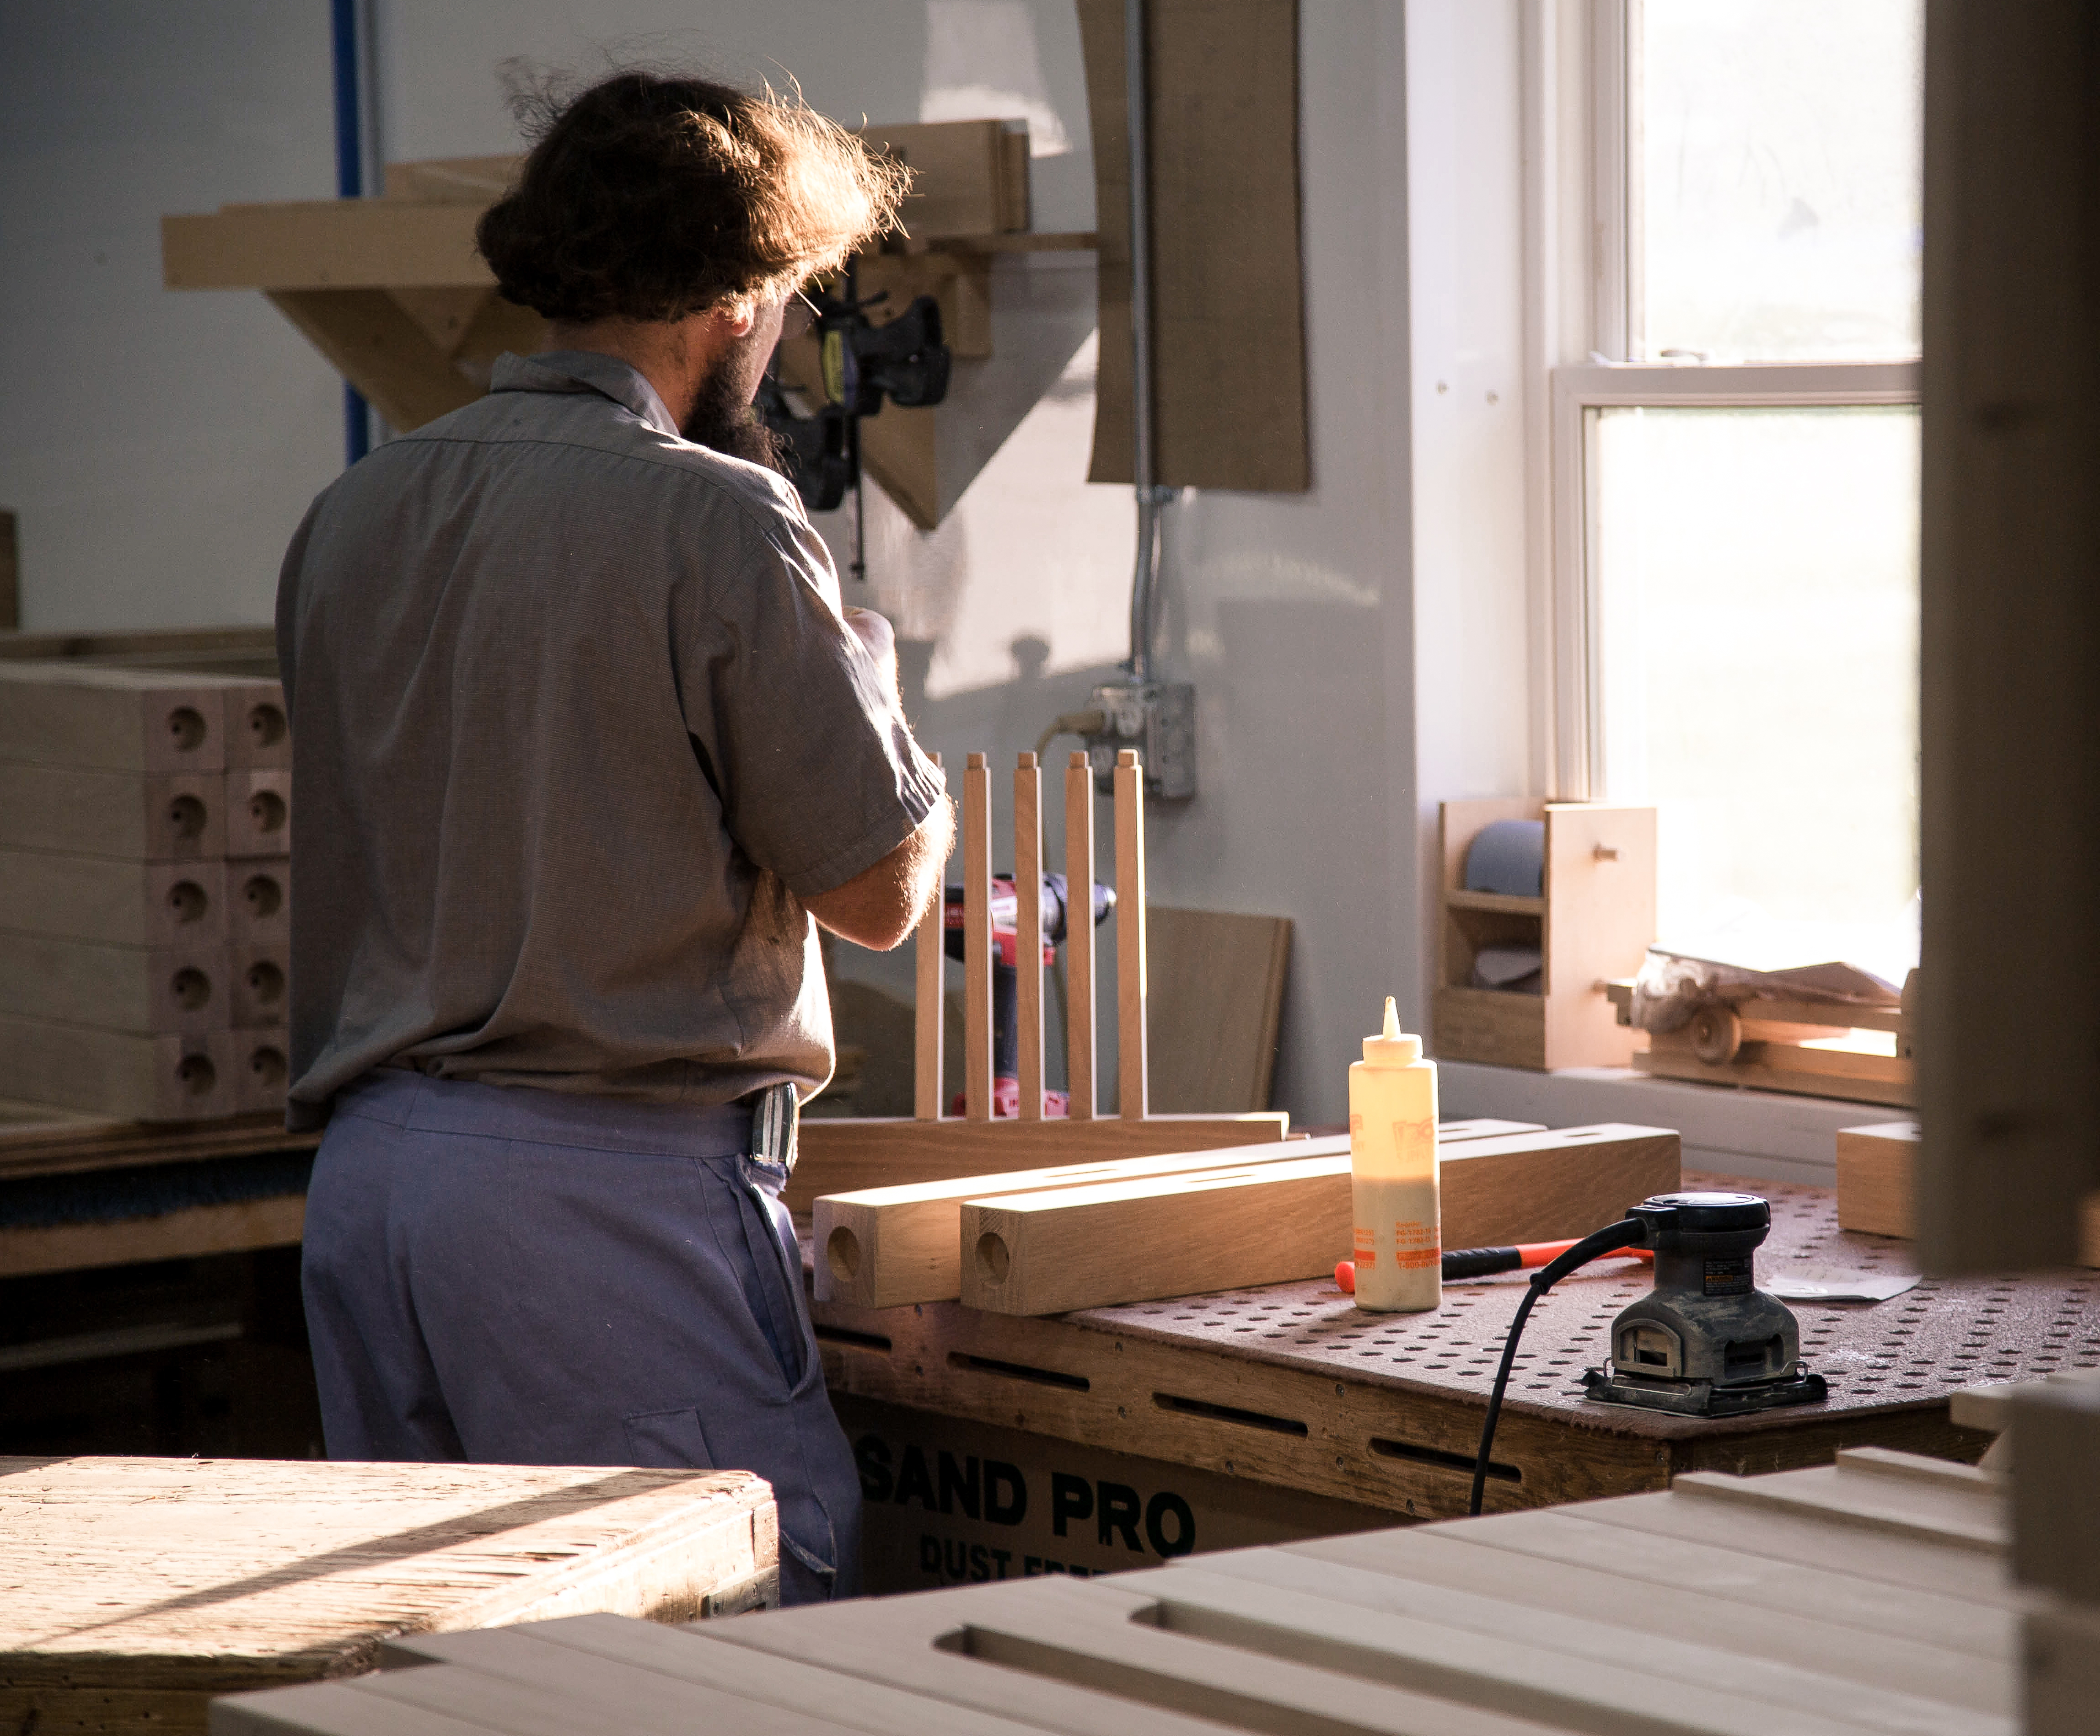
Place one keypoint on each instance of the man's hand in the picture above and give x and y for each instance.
(880, 905)
(875, 632)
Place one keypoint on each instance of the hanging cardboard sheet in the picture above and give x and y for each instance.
(1229, 354)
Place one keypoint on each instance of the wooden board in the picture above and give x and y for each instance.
(1228, 372)
(165, 1078)
(885, 1247)
(977, 940)
(1079, 1032)
(2008, 636)
(1877, 1179)
(1430, 1632)
(116, 903)
(963, 180)
(145, 990)
(845, 1154)
(68, 713)
(1131, 1240)
(1028, 939)
(38, 1140)
(1599, 924)
(188, 1232)
(159, 1582)
(141, 818)
(1215, 992)
(1132, 1081)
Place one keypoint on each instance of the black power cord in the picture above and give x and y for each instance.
(1629, 1233)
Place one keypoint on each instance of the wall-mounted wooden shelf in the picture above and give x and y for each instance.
(391, 291)
(1594, 921)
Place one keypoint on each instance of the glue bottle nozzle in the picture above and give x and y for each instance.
(1391, 1019)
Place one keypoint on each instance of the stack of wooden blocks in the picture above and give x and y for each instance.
(144, 897)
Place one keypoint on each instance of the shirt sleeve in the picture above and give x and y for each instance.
(818, 773)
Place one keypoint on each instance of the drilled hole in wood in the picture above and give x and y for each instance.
(266, 808)
(269, 1066)
(186, 816)
(197, 1074)
(265, 982)
(994, 1259)
(188, 900)
(191, 987)
(265, 896)
(186, 728)
(266, 725)
(842, 1252)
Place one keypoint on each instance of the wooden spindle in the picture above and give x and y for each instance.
(1028, 932)
(977, 939)
(1130, 934)
(1079, 937)
(928, 1024)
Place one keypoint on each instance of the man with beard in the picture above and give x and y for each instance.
(586, 748)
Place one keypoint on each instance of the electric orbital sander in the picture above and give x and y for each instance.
(1705, 1341)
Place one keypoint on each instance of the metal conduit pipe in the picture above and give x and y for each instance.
(1149, 498)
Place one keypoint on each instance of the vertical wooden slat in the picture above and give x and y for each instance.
(977, 939)
(926, 1044)
(1130, 934)
(1028, 932)
(1079, 937)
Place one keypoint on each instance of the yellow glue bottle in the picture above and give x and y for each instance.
(1392, 1168)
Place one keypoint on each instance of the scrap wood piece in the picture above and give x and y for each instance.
(845, 1154)
(1214, 998)
(885, 1247)
(1137, 1239)
(146, 1585)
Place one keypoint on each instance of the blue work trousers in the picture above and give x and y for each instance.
(513, 1276)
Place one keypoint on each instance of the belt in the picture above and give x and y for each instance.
(775, 1113)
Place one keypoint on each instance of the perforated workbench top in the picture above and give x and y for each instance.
(1913, 1349)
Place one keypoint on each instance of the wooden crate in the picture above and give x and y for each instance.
(1594, 920)
(1866, 1596)
(143, 1587)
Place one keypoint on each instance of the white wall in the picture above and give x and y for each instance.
(158, 448)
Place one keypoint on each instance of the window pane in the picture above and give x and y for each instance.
(1781, 146)
(1757, 631)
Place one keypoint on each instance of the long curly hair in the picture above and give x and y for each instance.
(650, 197)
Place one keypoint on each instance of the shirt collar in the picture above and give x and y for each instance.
(583, 371)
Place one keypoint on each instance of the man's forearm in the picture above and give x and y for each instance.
(880, 905)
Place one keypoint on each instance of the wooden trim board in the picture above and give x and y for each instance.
(845, 1154)
(886, 1247)
(182, 1235)
(1134, 1240)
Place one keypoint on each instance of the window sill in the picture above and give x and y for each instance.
(1767, 1136)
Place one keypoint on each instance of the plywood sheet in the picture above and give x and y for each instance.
(1227, 289)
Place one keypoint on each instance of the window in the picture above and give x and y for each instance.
(1734, 551)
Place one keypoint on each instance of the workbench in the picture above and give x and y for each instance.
(132, 1590)
(1293, 1395)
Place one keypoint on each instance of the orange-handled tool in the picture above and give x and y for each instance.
(1483, 1262)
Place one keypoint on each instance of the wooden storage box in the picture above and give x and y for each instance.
(1594, 919)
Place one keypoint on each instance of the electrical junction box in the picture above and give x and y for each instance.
(1157, 718)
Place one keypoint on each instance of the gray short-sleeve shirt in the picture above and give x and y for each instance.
(576, 726)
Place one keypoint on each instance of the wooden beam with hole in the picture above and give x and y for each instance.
(118, 903)
(888, 1247)
(111, 720)
(1134, 1240)
(145, 990)
(153, 817)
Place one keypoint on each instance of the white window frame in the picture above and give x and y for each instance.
(1582, 148)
